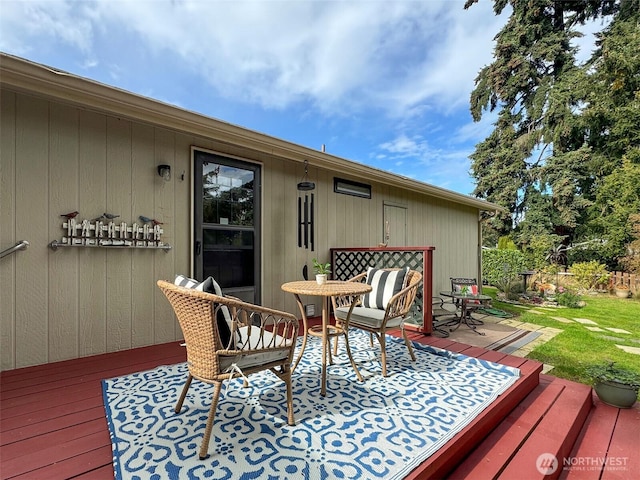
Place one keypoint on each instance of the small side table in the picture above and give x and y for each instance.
(326, 331)
(464, 316)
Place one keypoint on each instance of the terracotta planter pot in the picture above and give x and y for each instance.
(622, 293)
(616, 394)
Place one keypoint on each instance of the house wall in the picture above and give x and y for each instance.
(74, 302)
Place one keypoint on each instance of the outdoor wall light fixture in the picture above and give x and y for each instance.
(165, 172)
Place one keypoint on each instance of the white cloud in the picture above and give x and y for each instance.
(368, 70)
(399, 57)
(63, 21)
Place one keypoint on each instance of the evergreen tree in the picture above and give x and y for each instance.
(562, 128)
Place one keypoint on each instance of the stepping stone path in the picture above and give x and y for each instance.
(585, 321)
(634, 350)
(618, 330)
(595, 329)
(562, 320)
(551, 332)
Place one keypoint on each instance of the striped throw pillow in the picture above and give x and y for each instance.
(385, 284)
(223, 316)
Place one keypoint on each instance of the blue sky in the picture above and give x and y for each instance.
(380, 82)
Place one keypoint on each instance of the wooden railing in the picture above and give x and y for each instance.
(348, 262)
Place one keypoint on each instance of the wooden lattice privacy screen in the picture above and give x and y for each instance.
(348, 262)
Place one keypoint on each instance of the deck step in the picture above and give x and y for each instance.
(601, 451)
(440, 463)
(548, 421)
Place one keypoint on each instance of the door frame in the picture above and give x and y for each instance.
(401, 208)
(239, 162)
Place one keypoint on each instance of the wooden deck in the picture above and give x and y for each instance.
(52, 422)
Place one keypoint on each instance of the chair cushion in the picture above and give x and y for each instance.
(468, 289)
(255, 341)
(385, 284)
(367, 317)
(223, 316)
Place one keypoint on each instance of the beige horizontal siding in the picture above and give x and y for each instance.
(73, 302)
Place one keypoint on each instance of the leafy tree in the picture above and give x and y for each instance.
(555, 157)
(505, 243)
(612, 116)
(631, 261)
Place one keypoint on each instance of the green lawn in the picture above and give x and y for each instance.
(571, 351)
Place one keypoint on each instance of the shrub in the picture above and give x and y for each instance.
(505, 243)
(501, 268)
(589, 274)
(569, 299)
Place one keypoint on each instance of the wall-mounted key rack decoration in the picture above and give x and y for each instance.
(96, 233)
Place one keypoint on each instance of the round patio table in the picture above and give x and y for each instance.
(464, 315)
(332, 288)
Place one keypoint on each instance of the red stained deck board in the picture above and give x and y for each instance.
(17, 420)
(624, 451)
(103, 371)
(95, 465)
(52, 425)
(75, 367)
(490, 457)
(49, 398)
(57, 447)
(593, 441)
(55, 439)
(556, 433)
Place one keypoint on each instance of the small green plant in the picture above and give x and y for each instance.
(608, 372)
(321, 268)
(568, 298)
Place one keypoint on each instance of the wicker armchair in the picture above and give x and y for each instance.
(261, 338)
(377, 321)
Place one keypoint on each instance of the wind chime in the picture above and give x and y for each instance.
(305, 211)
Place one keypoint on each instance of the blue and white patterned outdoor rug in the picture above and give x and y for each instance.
(382, 428)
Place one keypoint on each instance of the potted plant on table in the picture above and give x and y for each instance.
(615, 386)
(322, 270)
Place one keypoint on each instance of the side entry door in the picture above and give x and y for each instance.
(395, 225)
(227, 223)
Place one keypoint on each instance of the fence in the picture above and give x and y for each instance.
(565, 279)
(629, 279)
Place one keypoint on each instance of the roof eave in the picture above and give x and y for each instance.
(29, 77)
